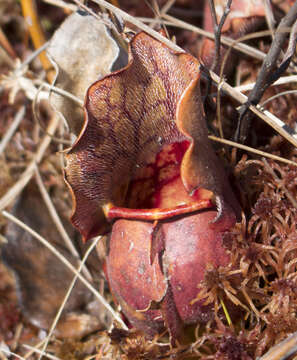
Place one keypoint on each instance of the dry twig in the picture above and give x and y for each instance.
(268, 74)
(36, 33)
(6, 45)
(243, 48)
(252, 150)
(218, 29)
(281, 81)
(11, 130)
(282, 351)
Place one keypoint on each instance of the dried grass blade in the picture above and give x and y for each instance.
(68, 293)
(252, 150)
(11, 130)
(56, 219)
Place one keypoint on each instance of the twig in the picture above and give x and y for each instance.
(61, 4)
(282, 351)
(36, 33)
(248, 50)
(271, 22)
(8, 352)
(217, 30)
(167, 7)
(287, 92)
(267, 74)
(17, 334)
(161, 12)
(120, 13)
(243, 38)
(281, 81)
(269, 118)
(67, 295)
(243, 48)
(34, 350)
(6, 45)
(32, 56)
(252, 150)
(2, 356)
(217, 33)
(288, 55)
(13, 192)
(67, 264)
(60, 91)
(265, 115)
(11, 130)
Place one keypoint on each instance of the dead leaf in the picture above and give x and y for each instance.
(91, 54)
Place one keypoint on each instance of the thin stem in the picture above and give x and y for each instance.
(217, 37)
(30, 14)
(12, 128)
(287, 92)
(281, 81)
(6, 45)
(265, 115)
(60, 91)
(252, 150)
(243, 48)
(32, 56)
(67, 295)
(35, 350)
(218, 30)
(56, 219)
(283, 350)
(267, 74)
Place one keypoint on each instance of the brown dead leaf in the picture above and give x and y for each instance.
(91, 53)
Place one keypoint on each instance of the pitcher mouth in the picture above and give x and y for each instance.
(156, 191)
